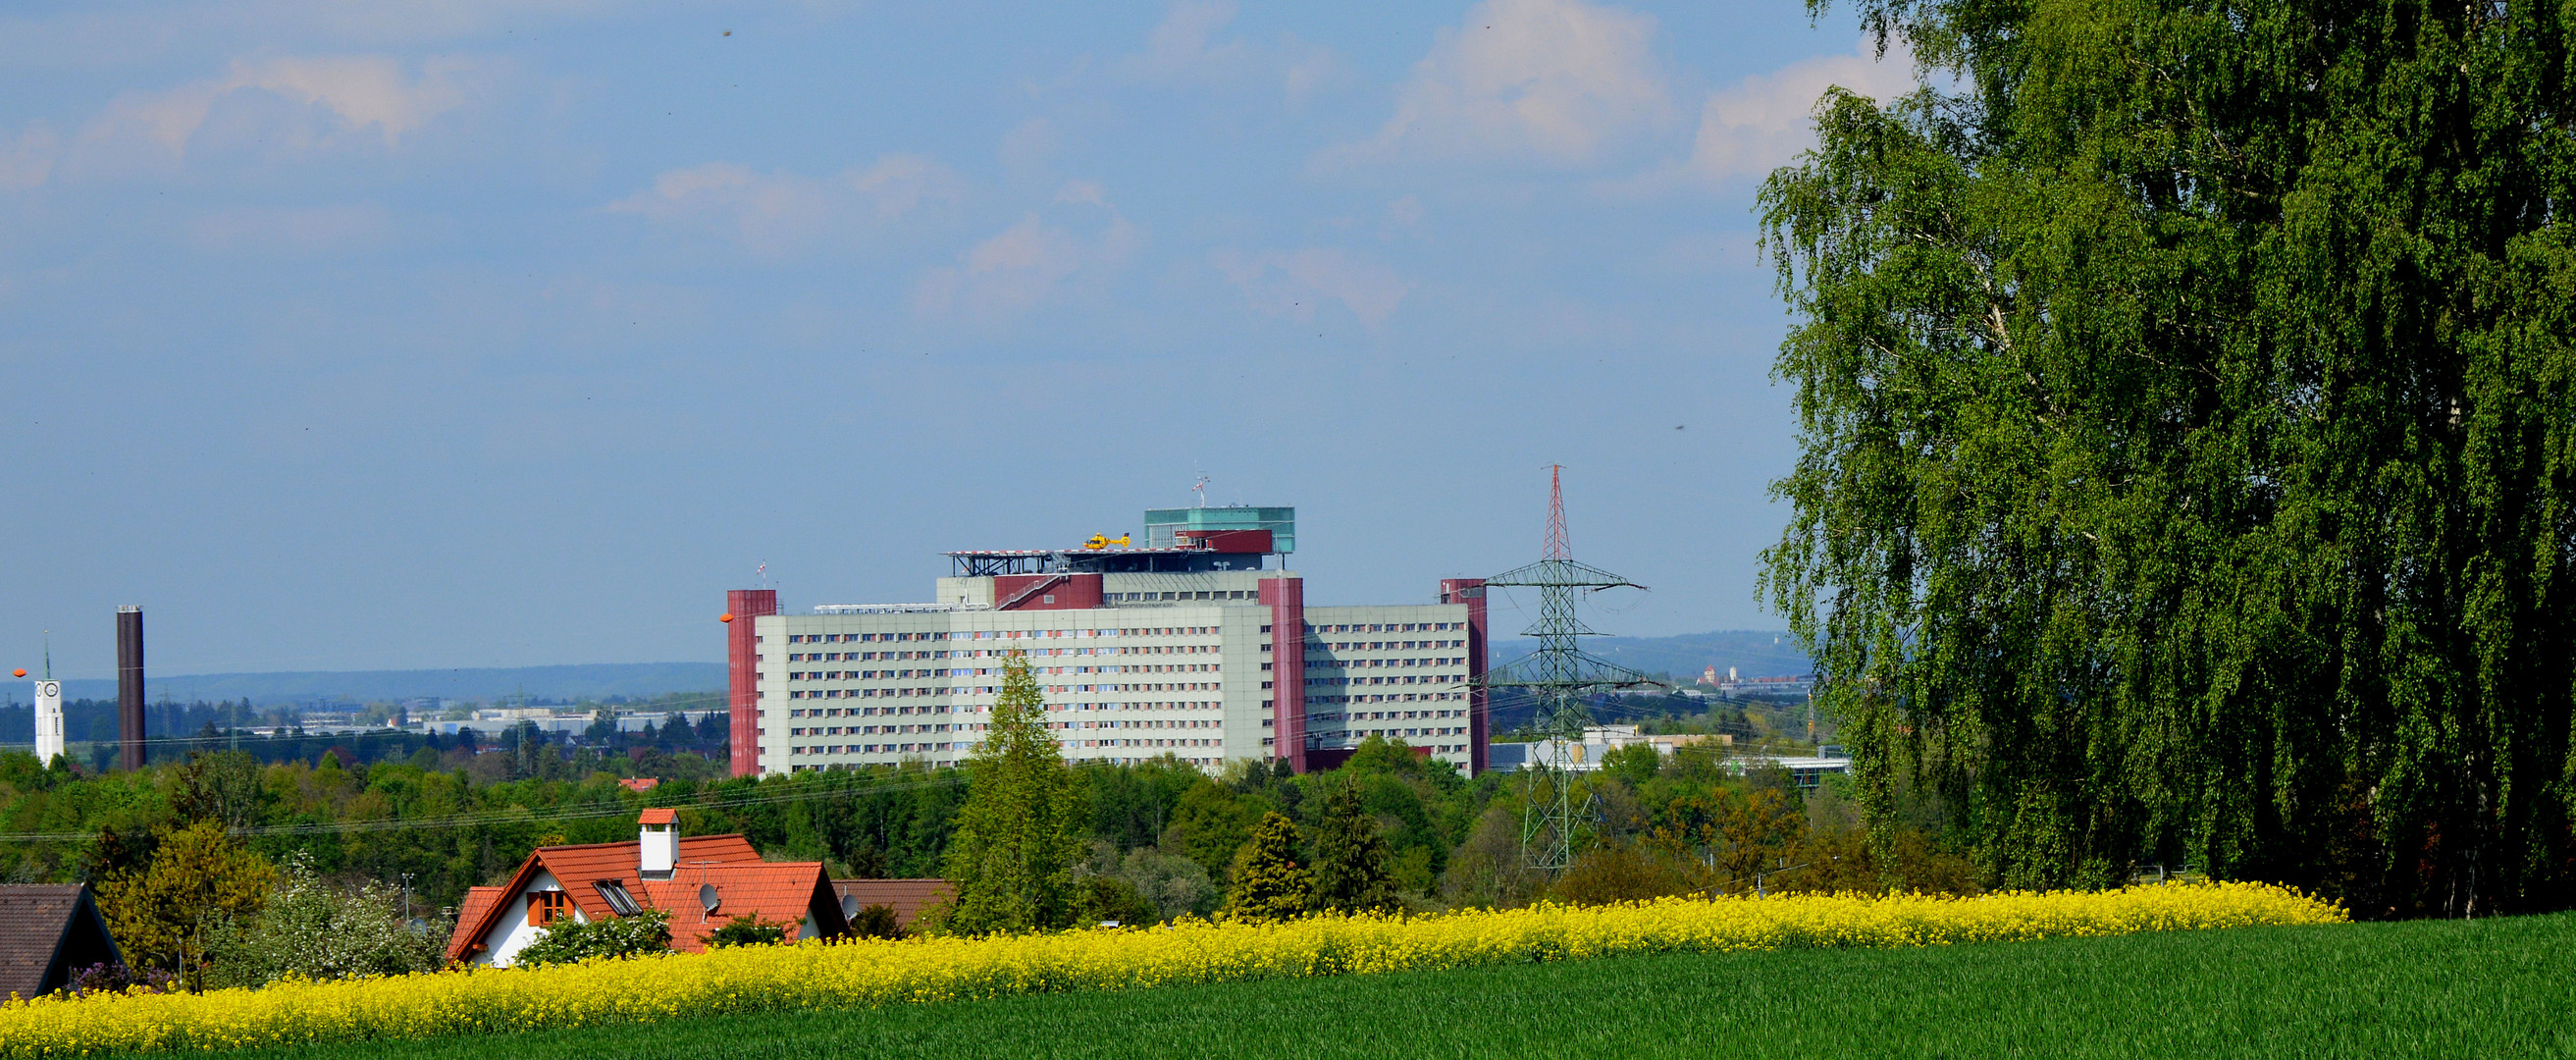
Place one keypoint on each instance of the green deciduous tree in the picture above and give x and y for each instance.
(313, 928)
(1353, 869)
(1020, 831)
(2188, 415)
(197, 884)
(1269, 883)
(747, 930)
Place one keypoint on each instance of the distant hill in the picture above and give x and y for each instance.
(595, 681)
(1754, 653)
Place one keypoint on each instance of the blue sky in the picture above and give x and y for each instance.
(345, 334)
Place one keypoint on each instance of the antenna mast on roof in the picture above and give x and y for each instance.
(1201, 490)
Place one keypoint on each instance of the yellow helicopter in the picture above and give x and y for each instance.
(1101, 541)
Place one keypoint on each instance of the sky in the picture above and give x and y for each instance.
(350, 334)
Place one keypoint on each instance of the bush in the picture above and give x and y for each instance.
(1109, 900)
(877, 922)
(317, 930)
(747, 930)
(118, 978)
(568, 940)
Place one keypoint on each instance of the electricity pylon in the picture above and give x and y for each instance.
(1559, 675)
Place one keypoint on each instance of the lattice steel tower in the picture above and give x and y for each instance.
(1559, 675)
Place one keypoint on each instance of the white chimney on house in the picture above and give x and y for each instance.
(659, 849)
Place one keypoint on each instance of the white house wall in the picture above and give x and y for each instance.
(513, 933)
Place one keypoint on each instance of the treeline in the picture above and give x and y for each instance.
(441, 821)
(176, 731)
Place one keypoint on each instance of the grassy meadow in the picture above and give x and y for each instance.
(2490, 988)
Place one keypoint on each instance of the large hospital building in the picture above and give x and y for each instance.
(1197, 643)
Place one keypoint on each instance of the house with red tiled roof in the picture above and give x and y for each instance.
(701, 881)
(907, 898)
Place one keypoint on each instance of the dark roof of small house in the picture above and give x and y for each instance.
(906, 897)
(41, 925)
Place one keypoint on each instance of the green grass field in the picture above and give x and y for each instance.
(2493, 988)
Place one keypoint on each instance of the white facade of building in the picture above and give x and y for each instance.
(49, 720)
(1167, 663)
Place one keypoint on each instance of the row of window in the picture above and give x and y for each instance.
(1386, 715)
(1379, 664)
(1002, 634)
(1407, 679)
(867, 730)
(1387, 627)
(863, 712)
(1391, 697)
(869, 693)
(1044, 671)
(993, 653)
(1383, 645)
(869, 748)
(1149, 743)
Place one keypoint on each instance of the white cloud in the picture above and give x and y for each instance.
(1762, 123)
(1031, 264)
(280, 106)
(1183, 50)
(363, 91)
(781, 212)
(1294, 282)
(1560, 81)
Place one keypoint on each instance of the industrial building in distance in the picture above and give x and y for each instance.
(1196, 644)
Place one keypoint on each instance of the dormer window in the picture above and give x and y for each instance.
(545, 906)
(619, 901)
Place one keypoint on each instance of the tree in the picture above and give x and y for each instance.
(197, 883)
(1619, 872)
(316, 930)
(1177, 886)
(1353, 871)
(1636, 763)
(1269, 884)
(747, 930)
(877, 922)
(1213, 821)
(1104, 899)
(1018, 834)
(2188, 424)
(218, 786)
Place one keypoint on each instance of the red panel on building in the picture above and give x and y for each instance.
(1471, 592)
(1228, 541)
(742, 666)
(1046, 592)
(1286, 599)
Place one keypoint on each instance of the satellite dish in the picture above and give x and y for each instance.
(849, 907)
(707, 897)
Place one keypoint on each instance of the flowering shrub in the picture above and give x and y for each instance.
(106, 978)
(877, 972)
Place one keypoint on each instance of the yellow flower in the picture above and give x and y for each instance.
(868, 973)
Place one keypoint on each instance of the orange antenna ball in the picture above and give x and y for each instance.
(725, 617)
(18, 673)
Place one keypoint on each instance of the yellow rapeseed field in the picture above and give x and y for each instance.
(869, 973)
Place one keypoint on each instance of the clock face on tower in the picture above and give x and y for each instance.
(49, 689)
